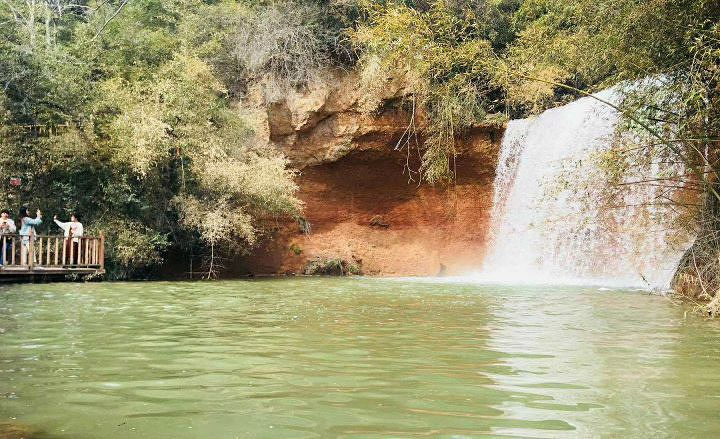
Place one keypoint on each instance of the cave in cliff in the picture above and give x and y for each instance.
(363, 202)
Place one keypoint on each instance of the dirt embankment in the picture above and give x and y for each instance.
(360, 204)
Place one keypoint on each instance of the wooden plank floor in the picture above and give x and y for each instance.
(20, 270)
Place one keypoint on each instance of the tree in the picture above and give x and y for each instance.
(447, 55)
(152, 151)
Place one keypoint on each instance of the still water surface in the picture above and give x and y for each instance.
(305, 358)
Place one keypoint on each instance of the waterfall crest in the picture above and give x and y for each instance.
(549, 224)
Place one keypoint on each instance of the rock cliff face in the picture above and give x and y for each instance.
(363, 205)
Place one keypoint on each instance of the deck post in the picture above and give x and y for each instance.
(102, 251)
(31, 249)
(72, 260)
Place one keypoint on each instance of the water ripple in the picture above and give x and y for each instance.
(352, 358)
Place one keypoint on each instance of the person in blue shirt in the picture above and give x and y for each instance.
(27, 225)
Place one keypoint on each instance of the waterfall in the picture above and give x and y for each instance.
(550, 223)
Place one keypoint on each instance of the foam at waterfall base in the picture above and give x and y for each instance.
(537, 280)
(514, 278)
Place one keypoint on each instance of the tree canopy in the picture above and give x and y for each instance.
(148, 145)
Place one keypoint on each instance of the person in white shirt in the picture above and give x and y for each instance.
(7, 225)
(72, 230)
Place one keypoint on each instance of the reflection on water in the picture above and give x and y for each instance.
(352, 357)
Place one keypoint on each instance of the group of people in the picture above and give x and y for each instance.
(72, 230)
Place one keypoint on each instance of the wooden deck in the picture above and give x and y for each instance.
(46, 255)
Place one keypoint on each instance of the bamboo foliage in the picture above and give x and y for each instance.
(141, 90)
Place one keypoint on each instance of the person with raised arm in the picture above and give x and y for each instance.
(72, 230)
(27, 228)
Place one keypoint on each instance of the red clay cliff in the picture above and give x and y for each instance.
(361, 206)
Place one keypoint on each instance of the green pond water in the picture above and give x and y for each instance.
(305, 358)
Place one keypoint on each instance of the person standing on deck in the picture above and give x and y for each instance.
(73, 229)
(27, 227)
(7, 226)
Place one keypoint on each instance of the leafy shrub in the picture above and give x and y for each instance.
(131, 248)
(296, 249)
(332, 267)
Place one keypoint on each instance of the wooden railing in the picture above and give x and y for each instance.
(45, 251)
(44, 130)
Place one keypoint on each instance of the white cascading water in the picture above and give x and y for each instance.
(547, 226)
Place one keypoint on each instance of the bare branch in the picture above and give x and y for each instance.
(115, 14)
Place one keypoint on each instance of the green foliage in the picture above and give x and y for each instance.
(132, 247)
(447, 56)
(296, 249)
(155, 154)
(596, 44)
(332, 267)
